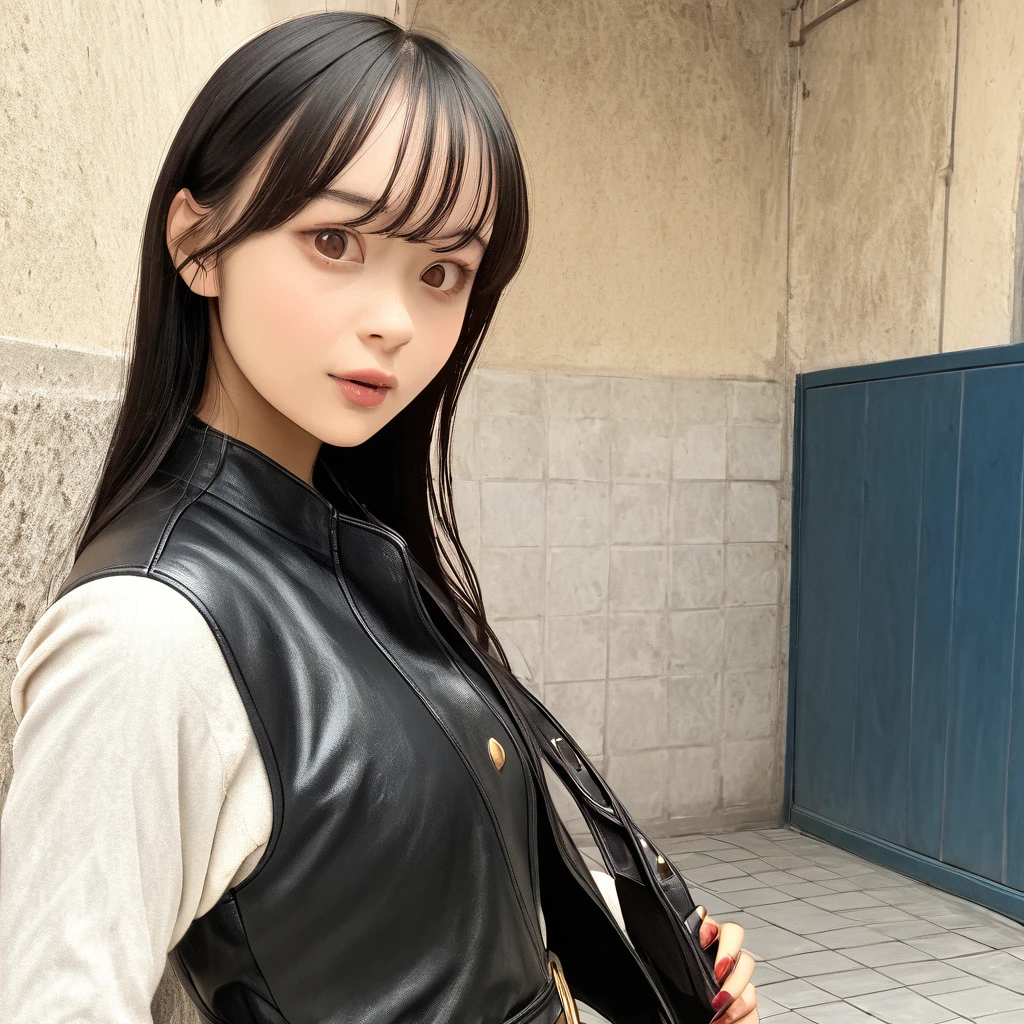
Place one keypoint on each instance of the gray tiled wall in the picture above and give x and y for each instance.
(628, 539)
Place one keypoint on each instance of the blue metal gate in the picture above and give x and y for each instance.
(905, 738)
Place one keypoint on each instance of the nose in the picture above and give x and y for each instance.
(383, 316)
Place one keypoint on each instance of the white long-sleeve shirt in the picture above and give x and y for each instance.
(138, 797)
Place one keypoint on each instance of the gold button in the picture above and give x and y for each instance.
(497, 752)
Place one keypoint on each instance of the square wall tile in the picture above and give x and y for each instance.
(504, 393)
(749, 769)
(697, 512)
(577, 580)
(694, 709)
(575, 648)
(752, 573)
(636, 714)
(751, 703)
(697, 641)
(700, 401)
(512, 581)
(572, 396)
(755, 402)
(699, 452)
(638, 579)
(577, 512)
(755, 453)
(639, 513)
(697, 576)
(639, 455)
(512, 513)
(645, 403)
(752, 512)
(694, 780)
(751, 638)
(636, 644)
(511, 447)
(579, 449)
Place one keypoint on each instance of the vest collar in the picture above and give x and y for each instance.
(253, 483)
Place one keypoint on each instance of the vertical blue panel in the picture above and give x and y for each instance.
(829, 572)
(888, 584)
(926, 750)
(984, 618)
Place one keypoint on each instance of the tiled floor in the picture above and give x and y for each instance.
(840, 940)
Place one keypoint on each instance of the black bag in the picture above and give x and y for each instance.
(658, 972)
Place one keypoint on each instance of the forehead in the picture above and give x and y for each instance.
(366, 176)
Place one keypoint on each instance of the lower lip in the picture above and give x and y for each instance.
(360, 394)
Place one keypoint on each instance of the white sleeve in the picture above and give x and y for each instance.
(137, 796)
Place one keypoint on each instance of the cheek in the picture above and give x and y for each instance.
(270, 315)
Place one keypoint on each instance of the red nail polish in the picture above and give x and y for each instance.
(720, 1000)
(723, 967)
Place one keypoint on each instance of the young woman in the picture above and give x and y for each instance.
(250, 737)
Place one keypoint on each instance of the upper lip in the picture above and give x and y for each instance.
(369, 376)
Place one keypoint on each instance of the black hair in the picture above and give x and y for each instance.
(308, 91)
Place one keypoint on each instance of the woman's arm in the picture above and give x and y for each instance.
(136, 793)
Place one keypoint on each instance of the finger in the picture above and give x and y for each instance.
(734, 984)
(742, 1010)
(708, 929)
(730, 939)
(736, 1006)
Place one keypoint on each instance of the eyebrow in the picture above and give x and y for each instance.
(342, 196)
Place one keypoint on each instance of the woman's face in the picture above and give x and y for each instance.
(302, 307)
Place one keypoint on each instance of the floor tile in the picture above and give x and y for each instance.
(901, 1006)
(797, 993)
(841, 940)
(854, 983)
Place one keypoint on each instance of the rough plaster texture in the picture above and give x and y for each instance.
(89, 101)
(873, 106)
(655, 137)
(983, 214)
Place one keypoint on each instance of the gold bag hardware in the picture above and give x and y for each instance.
(570, 1015)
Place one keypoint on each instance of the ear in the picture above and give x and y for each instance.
(184, 212)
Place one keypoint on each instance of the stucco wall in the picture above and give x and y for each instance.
(873, 105)
(656, 141)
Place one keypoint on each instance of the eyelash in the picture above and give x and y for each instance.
(444, 296)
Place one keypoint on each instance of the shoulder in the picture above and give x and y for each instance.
(126, 638)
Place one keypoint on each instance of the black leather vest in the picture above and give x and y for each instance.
(400, 882)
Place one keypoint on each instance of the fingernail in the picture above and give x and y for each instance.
(723, 967)
(711, 934)
(721, 1005)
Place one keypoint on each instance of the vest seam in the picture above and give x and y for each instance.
(229, 894)
(184, 502)
(254, 519)
(495, 827)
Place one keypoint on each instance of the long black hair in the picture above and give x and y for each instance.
(308, 91)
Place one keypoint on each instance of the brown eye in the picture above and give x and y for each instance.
(333, 244)
(435, 276)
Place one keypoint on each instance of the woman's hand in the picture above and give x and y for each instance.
(736, 1003)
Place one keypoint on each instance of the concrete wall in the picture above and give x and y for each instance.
(656, 141)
